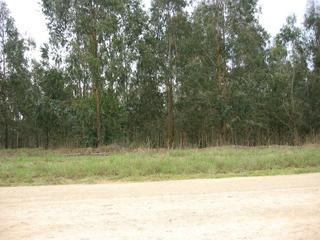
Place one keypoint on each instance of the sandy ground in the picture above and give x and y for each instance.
(279, 207)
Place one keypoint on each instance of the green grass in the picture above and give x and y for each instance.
(37, 167)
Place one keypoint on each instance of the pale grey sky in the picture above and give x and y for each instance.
(31, 22)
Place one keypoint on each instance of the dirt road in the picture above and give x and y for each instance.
(280, 207)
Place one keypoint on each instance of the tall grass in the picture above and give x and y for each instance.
(34, 167)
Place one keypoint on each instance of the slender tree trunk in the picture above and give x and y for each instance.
(98, 115)
(17, 140)
(4, 79)
(170, 115)
(37, 140)
(169, 89)
(6, 136)
(220, 67)
(94, 68)
(295, 134)
(47, 140)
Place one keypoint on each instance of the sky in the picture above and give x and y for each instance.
(32, 24)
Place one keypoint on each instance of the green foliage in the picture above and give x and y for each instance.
(16, 95)
(172, 76)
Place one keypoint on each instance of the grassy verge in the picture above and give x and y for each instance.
(37, 167)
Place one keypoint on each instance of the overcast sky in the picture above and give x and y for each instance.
(31, 22)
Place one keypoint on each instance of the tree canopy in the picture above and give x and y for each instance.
(175, 75)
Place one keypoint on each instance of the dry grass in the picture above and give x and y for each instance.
(36, 166)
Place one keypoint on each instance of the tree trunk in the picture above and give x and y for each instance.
(169, 89)
(220, 66)
(295, 134)
(98, 115)
(17, 139)
(170, 115)
(6, 136)
(94, 69)
(46, 146)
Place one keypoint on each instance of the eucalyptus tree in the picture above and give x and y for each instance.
(94, 31)
(166, 17)
(6, 24)
(52, 94)
(145, 99)
(15, 85)
(247, 66)
(312, 25)
(287, 88)
(113, 73)
(225, 66)
(210, 39)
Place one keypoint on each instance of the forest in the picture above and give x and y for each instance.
(180, 74)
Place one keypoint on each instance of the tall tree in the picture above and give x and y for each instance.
(312, 24)
(91, 29)
(165, 19)
(15, 83)
(247, 45)
(288, 81)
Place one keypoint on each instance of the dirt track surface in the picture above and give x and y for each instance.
(280, 207)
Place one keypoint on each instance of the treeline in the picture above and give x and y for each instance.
(173, 76)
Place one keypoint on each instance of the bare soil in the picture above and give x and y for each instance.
(277, 207)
